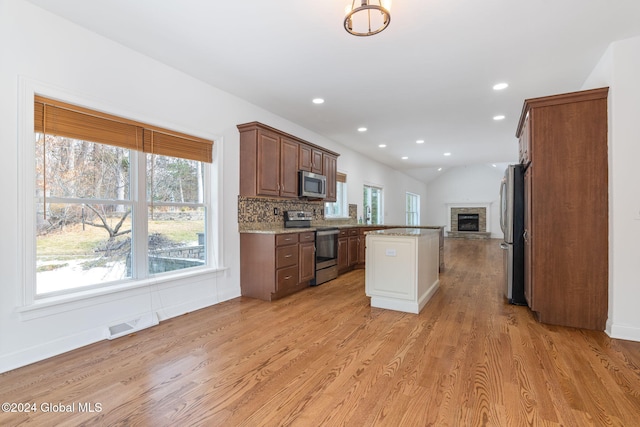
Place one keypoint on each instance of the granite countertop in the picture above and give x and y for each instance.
(277, 230)
(281, 230)
(403, 231)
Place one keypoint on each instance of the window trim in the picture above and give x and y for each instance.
(417, 212)
(27, 299)
(341, 179)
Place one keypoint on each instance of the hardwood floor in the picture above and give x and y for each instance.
(324, 357)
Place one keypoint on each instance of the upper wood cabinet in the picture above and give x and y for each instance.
(310, 159)
(270, 161)
(524, 142)
(566, 207)
(288, 167)
(329, 169)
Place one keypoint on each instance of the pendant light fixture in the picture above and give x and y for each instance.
(370, 18)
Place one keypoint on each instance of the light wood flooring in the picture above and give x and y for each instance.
(324, 357)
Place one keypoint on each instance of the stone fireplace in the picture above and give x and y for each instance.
(468, 222)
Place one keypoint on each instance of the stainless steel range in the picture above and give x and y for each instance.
(326, 245)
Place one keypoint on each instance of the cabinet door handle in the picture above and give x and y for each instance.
(288, 277)
(288, 255)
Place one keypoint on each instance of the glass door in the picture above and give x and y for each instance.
(372, 205)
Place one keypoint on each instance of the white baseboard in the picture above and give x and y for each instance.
(68, 343)
(623, 332)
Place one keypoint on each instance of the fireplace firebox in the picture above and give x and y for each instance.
(468, 222)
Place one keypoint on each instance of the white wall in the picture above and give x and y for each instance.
(466, 185)
(619, 69)
(40, 51)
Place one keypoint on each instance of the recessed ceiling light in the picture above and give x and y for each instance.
(447, 154)
(404, 157)
(500, 86)
(363, 129)
(420, 141)
(382, 145)
(439, 169)
(495, 166)
(498, 117)
(318, 101)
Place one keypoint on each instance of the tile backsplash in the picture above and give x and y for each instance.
(260, 212)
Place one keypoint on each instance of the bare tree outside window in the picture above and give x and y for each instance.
(85, 213)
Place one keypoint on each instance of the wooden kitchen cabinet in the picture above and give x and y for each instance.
(269, 163)
(524, 142)
(528, 295)
(288, 168)
(307, 256)
(276, 265)
(271, 159)
(348, 249)
(343, 254)
(353, 247)
(329, 169)
(566, 207)
(310, 159)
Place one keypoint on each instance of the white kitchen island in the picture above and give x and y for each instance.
(401, 270)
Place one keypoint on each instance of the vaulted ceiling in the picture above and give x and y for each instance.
(427, 77)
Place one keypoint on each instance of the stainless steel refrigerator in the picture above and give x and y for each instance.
(512, 224)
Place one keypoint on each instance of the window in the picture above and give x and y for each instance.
(372, 205)
(413, 209)
(339, 208)
(115, 200)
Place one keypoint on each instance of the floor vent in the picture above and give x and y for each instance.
(130, 326)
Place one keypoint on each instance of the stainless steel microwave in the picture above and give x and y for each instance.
(312, 185)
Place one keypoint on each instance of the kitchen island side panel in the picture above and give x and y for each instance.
(402, 268)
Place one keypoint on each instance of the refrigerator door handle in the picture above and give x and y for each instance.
(503, 187)
(504, 246)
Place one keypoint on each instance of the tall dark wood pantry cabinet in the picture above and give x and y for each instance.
(563, 143)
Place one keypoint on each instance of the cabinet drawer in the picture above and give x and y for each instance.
(353, 232)
(286, 278)
(307, 236)
(287, 256)
(286, 239)
(343, 233)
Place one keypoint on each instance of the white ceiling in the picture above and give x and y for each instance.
(428, 76)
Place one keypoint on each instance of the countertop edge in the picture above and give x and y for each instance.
(282, 230)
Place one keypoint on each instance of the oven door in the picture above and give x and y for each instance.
(326, 255)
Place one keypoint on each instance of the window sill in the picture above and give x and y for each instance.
(47, 306)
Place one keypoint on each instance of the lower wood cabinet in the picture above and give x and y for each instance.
(343, 255)
(353, 242)
(348, 249)
(306, 257)
(276, 265)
